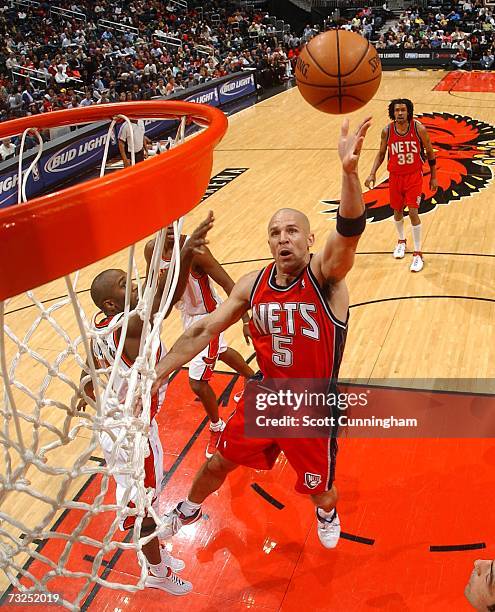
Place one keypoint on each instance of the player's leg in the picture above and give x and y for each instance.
(397, 205)
(327, 517)
(209, 478)
(161, 565)
(417, 261)
(314, 461)
(413, 200)
(200, 373)
(234, 449)
(236, 361)
(207, 396)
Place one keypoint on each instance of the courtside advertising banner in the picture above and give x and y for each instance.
(240, 86)
(67, 157)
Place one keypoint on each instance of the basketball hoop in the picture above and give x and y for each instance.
(146, 197)
(43, 434)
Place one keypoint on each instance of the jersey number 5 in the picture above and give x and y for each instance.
(282, 356)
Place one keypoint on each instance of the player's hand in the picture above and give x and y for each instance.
(247, 333)
(197, 241)
(370, 181)
(350, 145)
(161, 376)
(433, 184)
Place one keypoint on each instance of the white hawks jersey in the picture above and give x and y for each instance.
(200, 296)
(105, 348)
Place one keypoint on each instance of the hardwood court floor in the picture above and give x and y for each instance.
(429, 330)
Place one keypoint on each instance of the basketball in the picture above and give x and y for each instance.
(338, 71)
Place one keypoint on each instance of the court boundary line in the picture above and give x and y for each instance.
(261, 259)
(458, 547)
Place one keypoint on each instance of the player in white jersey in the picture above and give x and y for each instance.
(108, 293)
(199, 299)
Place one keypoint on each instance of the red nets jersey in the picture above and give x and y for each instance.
(294, 332)
(405, 153)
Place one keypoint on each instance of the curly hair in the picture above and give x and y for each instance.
(407, 102)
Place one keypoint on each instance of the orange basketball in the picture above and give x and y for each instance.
(338, 71)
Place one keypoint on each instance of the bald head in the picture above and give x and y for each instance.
(290, 240)
(103, 286)
(284, 216)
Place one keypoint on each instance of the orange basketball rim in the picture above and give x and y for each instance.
(56, 234)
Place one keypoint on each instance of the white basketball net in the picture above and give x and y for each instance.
(48, 446)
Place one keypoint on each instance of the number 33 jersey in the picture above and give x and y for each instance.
(405, 152)
(295, 334)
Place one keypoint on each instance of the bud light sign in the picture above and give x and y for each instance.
(241, 86)
(208, 96)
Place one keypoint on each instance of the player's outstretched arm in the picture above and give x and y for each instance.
(216, 272)
(380, 156)
(148, 254)
(337, 257)
(199, 335)
(194, 247)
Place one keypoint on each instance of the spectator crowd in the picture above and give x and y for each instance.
(466, 27)
(114, 51)
(76, 53)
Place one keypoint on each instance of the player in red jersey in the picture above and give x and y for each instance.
(405, 140)
(300, 309)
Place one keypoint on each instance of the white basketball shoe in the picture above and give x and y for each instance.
(400, 249)
(176, 565)
(171, 584)
(328, 529)
(417, 262)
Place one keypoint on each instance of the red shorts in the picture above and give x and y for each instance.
(313, 459)
(405, 190)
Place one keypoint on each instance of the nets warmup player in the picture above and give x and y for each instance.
(199, 299)
(406, 141)
(108, 291)
(302, 344)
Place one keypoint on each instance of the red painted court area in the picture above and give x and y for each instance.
(257, 549)
(473, 81)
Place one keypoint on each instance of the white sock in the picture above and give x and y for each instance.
(160, 571)
(188, 508)
(218, 426)
(400, 228)
(416, 232)
(327, 515)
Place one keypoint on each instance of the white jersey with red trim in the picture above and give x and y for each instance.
(105, 348)
(199, 296)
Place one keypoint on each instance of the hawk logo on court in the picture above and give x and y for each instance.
(312, 480)
(465, 152)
